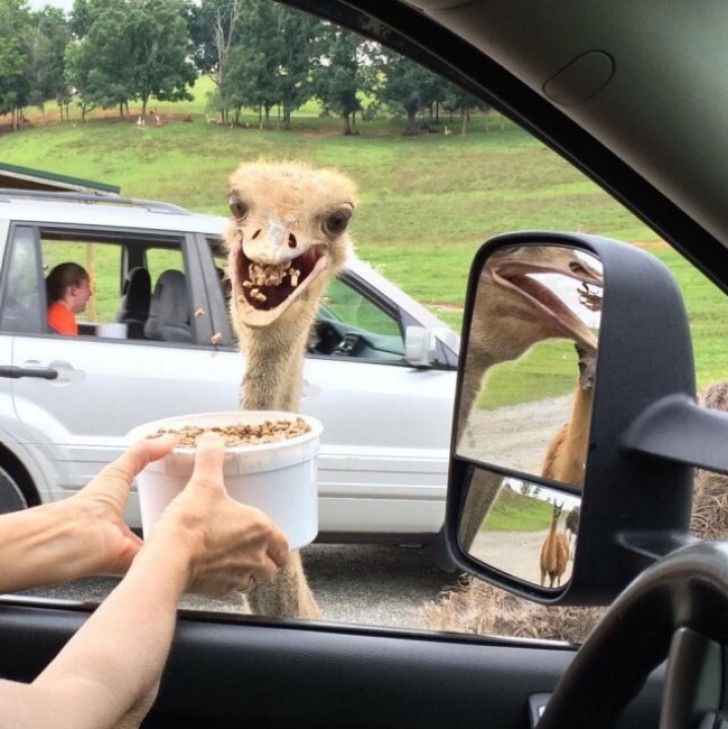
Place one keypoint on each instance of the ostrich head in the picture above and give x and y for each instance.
(287, 236)
(514, 310)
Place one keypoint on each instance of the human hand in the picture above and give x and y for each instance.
(100, 506)
(229, 546)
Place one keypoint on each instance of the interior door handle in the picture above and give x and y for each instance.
(43, 373)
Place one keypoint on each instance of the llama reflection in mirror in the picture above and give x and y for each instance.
(528, 533)
(530, 365)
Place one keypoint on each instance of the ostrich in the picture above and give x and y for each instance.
(286, 238)
(710, 490)
(555, 550)
(513, 311)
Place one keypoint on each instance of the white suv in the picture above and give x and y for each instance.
(379, 364)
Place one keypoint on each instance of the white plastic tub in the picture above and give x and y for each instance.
(278, 478)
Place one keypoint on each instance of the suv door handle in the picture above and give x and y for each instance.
(43, 373)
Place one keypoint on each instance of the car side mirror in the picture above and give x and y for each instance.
(419, 345)
(572, 451)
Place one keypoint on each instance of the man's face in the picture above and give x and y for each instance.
(80, 295)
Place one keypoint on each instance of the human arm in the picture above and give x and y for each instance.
(79, 536)
(108, 674)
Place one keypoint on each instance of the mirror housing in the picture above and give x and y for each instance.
(419, 345)
(637, 492)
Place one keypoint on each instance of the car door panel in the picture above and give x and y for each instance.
(117, 385)
(227, 672)
(383, 461)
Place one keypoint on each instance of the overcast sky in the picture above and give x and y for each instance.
(66, 5)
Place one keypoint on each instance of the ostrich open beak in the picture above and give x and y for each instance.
(515, 274)
(267, 277)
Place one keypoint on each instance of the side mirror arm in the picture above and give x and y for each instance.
(677, 429)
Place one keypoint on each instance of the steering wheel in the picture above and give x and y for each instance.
(676, 609)
(326, 337)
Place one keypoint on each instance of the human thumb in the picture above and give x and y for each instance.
(209, 460)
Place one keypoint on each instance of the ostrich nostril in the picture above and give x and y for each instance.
(292, 242)
(256, 234)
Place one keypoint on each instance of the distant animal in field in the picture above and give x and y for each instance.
(555, 550)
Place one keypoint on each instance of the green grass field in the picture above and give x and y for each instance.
(513, 512)
(426, 203)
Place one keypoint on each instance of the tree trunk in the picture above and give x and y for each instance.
(411, 128)
(347, 124)
(463, 121)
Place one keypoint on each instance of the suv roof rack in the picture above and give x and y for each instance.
(11, 193)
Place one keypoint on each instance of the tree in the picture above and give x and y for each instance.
(134, 49)
(78, 65)
(457, 99)
(47, 43)
(271, 62)
(338, 77)
(406, 86)
(15, 26)
(296, 33)
(101, 69)
(214, 30)
(255, 61)
(160, 49)
(83, 15)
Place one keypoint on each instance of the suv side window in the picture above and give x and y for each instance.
(22, 303)
(350, 324)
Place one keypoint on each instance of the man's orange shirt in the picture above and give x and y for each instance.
(62, 319)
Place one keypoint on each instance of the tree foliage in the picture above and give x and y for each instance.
(406, 87)
(15, 25)
(260, 54)
(342, 73)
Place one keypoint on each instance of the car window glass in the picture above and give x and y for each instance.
(438, 177)
(159, 260)
(22, 304)
(346, 304)
(350, 324)
(102, 262)
(121, 296)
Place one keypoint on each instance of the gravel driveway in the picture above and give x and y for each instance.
(518, 436)
(358, 584)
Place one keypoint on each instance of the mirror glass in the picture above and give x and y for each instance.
(530, 365)
(528, 532)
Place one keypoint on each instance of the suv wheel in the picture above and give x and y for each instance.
(11, 495)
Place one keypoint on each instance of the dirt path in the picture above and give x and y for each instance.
(516, 437)
(518, 553)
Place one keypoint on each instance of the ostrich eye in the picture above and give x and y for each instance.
(238, 208)
(336, 223)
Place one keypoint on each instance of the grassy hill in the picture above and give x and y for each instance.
(514, 512)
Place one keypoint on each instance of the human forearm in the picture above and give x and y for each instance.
(79, 536)
(45, 545)
(111, 668)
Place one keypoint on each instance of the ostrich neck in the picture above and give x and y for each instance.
(274, 364)
(477, 365)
